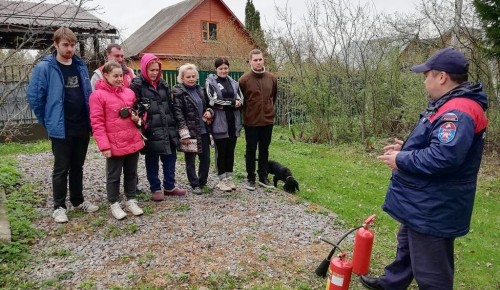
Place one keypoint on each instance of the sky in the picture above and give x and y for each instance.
(130, 15)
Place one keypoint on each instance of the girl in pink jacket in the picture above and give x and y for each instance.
(114, 124)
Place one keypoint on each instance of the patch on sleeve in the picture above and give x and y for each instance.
(450, 117)
(447, 132)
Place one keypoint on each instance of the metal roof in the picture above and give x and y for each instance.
(19, 15)
(160, 23)
(156, 26)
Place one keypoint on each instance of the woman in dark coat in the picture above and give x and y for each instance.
(160, 131)
(193, 118)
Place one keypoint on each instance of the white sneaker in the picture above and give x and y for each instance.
(88, 207)
(222, 185)
(230, 183)
(250, 185)
(117, 211)
(229, 180)
(59, 215)
(131, 206)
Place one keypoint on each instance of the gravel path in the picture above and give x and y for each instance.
(248, 237)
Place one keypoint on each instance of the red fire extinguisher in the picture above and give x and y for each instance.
(363, 244)
(339, 273)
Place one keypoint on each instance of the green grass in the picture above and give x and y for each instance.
(344, 179)
(182, 207)
(113, 230)
(353, 183)
(25, 148)
(20, 202)
(87, 285)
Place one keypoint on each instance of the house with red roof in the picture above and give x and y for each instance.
(195, 31)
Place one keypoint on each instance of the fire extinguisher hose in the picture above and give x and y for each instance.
(323, 267)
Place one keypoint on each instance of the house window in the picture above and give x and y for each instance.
(208, 31)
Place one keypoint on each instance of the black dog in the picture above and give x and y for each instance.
(284, 174)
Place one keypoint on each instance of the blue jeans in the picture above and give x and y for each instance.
(168, 166)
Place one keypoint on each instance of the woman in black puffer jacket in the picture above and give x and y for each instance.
(193, 118)
(160, 129)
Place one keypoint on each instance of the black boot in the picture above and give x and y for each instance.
(370, 283)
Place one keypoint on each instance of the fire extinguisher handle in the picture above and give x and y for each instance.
(342, 254)
(370, 220)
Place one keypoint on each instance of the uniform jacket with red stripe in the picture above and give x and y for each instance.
(433, 189)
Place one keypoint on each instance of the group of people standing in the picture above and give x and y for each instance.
(435, 170)
(130, 115)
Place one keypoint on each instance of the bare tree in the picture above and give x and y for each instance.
(332, 59)
(348, 64)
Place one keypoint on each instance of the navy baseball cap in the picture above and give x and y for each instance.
(448, 60)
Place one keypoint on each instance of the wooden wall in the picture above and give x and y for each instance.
(184, 40)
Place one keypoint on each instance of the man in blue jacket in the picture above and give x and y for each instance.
(434, 176)
(58, 94)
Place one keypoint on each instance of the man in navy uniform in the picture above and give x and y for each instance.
(434, 176)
